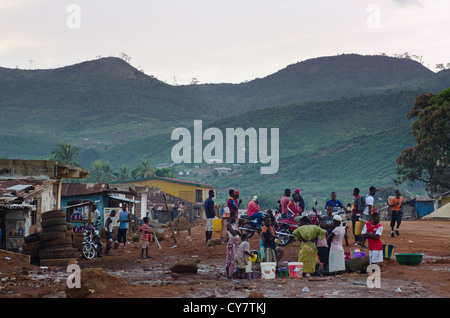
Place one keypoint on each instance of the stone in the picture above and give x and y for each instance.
(184, 265)
(358, 264)
(214, 241)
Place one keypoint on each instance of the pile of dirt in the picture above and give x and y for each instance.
(95, 280)
(13, 262)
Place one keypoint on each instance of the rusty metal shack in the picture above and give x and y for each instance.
(27, 189)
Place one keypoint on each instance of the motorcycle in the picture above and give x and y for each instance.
(92, 244)
(250, 227)
(285, 228)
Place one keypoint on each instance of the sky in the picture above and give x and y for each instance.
(218, 41)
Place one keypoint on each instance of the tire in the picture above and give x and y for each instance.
(69, 225)
(55, 228)
(58, 253)
(53, 214)
(43, 237)
(284, 239)
(60, 241)
(88, 251)
(53, 222)
(32, 254)
(247, 226)
(32, 246)
(31, 238)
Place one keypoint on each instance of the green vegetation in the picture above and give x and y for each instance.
(428, 161)
(342, 121)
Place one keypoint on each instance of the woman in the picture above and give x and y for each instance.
(232, 245)
(336, 261)
(308, 234)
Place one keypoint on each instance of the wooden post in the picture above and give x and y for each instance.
(170, 220)
(188, 216)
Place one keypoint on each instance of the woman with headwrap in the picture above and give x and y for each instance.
(336, 260)
(232, 245)
(307, 234)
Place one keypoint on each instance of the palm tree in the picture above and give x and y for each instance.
(123, 173)
(101, 171)
(144, 170)
(65, 153)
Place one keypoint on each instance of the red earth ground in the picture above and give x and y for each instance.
(152, 278)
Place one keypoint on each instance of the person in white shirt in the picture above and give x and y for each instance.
(95, 215)
(366, 214)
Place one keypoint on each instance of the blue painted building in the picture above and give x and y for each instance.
(78, 199)
(424, 205)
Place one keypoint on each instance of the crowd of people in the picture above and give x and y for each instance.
(322, 237)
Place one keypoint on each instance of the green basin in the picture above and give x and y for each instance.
(409, 258)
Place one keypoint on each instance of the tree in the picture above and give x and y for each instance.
(101, 171)
(144, 170)
(65, 153)
(123, 173)
(164, 172)
(428, 161)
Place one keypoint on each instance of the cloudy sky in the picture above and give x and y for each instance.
(218, 41)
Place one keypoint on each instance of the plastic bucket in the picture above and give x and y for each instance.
(248, 267)
(358, 227)
(295, 269)
(388, 251)
(357, 251)
(258, 256)
(268, 270)
(217, 225)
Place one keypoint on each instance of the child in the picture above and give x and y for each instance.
(109, 231)
(268, 240)
(372, 232)
(322, 246)
(242, 255)
(146, 237)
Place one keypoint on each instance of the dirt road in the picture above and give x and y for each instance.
(151, 278)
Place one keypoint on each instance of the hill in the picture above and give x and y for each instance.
(320, 78)
(324, 146)
(341, 119)
(95, 103)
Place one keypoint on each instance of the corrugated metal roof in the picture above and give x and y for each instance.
(14, 190)
(75, 189)
(19, 187)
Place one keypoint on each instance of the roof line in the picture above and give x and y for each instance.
(166, 179)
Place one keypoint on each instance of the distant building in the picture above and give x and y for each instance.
(192, 192)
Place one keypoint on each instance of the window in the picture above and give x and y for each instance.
(198, 196)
